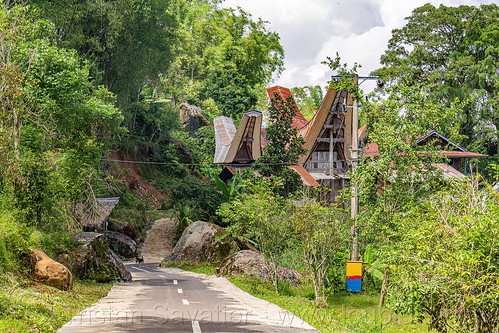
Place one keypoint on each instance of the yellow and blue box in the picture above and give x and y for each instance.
(354, 276)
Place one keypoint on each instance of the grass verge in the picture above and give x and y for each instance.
(204, 268)
(27, 306)
(345, 312)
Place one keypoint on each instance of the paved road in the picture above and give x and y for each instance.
(172, 300)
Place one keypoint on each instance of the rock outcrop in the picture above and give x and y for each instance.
(251, 263)
(94, 260)
(198, 244)
(192, 118)
(182, 151)
(121, 244)
(49, 271)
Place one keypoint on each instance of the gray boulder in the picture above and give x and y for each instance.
(251, 263)
(192, 118)
(94, 260)
(121, 244)
(198, 244)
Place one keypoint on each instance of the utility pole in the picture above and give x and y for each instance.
(354, 266)
(354, 255)
(354, 158)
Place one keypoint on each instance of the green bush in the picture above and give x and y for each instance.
(14, 245)
(202, 197)
(54, 243)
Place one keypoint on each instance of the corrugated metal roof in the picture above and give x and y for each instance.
(372, 149)
(224, 133)
(462, 154)
(448, 171)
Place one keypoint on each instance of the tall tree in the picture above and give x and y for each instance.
(308, 99)
(284, 145)
(224, 56)
(54, 123)
(456, 51)
(126, 42)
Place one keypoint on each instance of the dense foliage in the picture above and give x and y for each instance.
(455, 51)
(308, 99)
(79, 78)
(284, 145)
(55, 124)
(125, 42)
(224, 59)
(445, 260)
(276, 223)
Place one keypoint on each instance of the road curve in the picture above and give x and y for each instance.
(172, 300)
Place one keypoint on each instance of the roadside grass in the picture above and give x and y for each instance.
(204, 268)
(27, 306)
(346, 312)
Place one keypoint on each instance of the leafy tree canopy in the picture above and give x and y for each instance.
(224, 56)
(308, 99)
(54, 124)
(456, 51)
(126, 42)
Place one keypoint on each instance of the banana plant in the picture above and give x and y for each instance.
(232, 189)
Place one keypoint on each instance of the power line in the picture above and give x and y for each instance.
(190, 164)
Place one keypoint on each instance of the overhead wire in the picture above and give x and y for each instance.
(189, 164)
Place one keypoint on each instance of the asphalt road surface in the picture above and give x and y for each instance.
(172, 300)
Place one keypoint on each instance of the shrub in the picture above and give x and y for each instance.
(130, 231)
(14, 245)
(446, 262)
(202, 197)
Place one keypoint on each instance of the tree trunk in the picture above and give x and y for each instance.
(276, 278)
(384, 286)
(16, 133)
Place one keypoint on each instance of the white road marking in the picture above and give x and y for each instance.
(180, 291)
(175, 282)
(186, 302)
(140, 269)
(161, 276)
(195, 327)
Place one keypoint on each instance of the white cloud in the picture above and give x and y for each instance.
(311, 30)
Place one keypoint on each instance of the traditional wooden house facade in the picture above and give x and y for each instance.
(328, 142)
(327, 138)
(241, 146)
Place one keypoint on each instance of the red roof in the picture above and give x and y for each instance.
(306, 177)
(454, 154)
(448, 171)
(362, 130)
(372, 149)
(299, 120)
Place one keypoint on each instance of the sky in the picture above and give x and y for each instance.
(312, 30)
